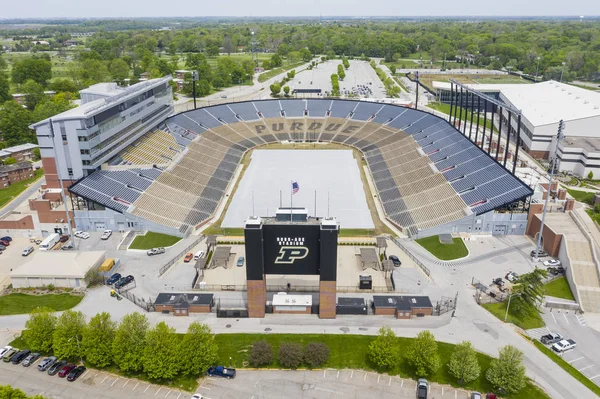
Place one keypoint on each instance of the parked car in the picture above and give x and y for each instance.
(46, 363)
(123, 281)
(6, 238)
(5, 350)
(113, 279)
(66, 370)
(27, 251)
(106, 235)
(395, 260)
(490, 395)
(476, 395)
(240, 261)
(56, 367)
(64, 238)
(29, 360)
(512, 276)
(198, 396)
(552, 262)
(82, 234)
(551, 338)
(541, 254)
(198, 255)
(221, 371)
(9, 355)
(155, 251)
(77, 371)
(2, 247)
(67, 247)
(555, 271)
(188, 257)
(498, 281)
(564, 345)
(422, 388)
(20, 356)
(5, 243)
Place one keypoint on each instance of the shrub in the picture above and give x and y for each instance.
(262, 354)
(290, 355)
(93, 277)
(316, 354)
(50, 287)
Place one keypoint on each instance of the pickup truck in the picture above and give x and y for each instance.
(564, 345)
(106, 235)
(221, 371)
(551, 338)
(155, 251)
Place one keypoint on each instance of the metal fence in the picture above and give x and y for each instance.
(148, 306)
(423, 268)
(174, 260)
(485, 294)
(231, 308)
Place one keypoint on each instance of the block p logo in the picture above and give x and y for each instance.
(288, 255)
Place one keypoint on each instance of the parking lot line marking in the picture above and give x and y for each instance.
(455, 394)
(157, 391)
(552, 313)
(84, 374)
(256, 383)
(565, 316)
(324, 373)
(146, 389)
(352, 373)
(365, 377)
(596, 376)
(135, 386)
(168, 393)
(97, 374)
(378, 377)
(114, 382)
(442, 391)
(104, 380)
(585, 368)
(402, 384)
(574, 360)
(390, 382)
(180, 395)
(338, 374)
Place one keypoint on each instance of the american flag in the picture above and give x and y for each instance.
(295, 187)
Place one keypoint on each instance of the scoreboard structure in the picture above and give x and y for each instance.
(306, 247)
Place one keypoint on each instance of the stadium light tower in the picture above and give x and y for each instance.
(254, 61)
(553, 167)
(194, 79)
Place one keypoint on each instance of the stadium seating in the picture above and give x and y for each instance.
(426, 173)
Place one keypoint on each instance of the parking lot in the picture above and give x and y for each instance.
(584, 357)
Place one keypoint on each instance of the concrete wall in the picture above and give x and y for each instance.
(110, 219)
(550, 239)
(488, 223)
(26, 282)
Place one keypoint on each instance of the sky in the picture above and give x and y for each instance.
(246, 8)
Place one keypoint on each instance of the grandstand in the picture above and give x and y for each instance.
(426, 173)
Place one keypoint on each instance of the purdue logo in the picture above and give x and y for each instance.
(288, 255)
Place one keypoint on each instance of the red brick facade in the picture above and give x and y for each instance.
(257, 298)
(327, 299)
(11, 174)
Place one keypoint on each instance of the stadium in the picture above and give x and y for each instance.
(427, 177)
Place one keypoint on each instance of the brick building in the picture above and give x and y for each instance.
(10, 174)
(22, 152)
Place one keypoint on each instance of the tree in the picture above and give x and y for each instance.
(591, 175)
(68, 335)
(286, 90)
(39, 329)
(261, 354)
(48, 109)
(4, 88)
(276, 60)
(228, 45)
(305, 54)
(98, 336)
(290, 355)
(38, 69)
(316, 354)
(130, 340)
(291, 74)
(507, 373)
(10, 161)
(36, 153)
(118, 69)
(463, 363)
(34, 94)
(384, 350)
(63, 85)
(423, 354)
(161, 352)
(275, 89)
(529, 293)
(198, 350)
(14, 124)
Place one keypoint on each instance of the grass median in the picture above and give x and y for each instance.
(559, 288)
(456, 250)
(12, 191)
(525, 320)
(153, 240)
(24, 303)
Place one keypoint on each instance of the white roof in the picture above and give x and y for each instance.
(492, 87)
(20, 147)
(110, 88)
(59, 264)
(292, 300)
(548, 102)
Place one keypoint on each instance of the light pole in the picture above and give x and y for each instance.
(537, 68)
(562, 71)
(559, 137)
(194, 79)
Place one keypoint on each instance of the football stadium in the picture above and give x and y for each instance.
(423, 173)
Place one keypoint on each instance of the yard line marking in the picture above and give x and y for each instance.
(552, 313)
(146, 389)
(574, 360)
(378, 377)
(114, 382)
(168, 393)
(352, 373)
(596, 376)
(104, 380)
(338, 374)
(585, 368)
(157, 391)
(135, 386)
(126, 382)
(390, 382)
(565, 316)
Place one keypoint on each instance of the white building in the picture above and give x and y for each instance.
(108, 120)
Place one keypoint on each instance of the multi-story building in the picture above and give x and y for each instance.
(10, 174)
(20, 153)
(109, 119)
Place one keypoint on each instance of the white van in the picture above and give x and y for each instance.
(49, 242)
(198, 255)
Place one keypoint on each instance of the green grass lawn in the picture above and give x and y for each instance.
(559, 288)
(595, 216)
(357, 233)
(9, 193)
(263, 77)
(582, 196)
(445, 108)
(441, 251)
(525, 320)
(153, 240)
(567, 367)
(24, 303)
(351, 351)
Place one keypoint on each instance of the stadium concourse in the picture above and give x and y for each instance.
(426, 172)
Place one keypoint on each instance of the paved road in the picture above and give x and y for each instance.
(11, 206)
